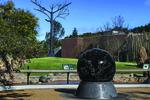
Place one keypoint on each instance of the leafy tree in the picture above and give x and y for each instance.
(59, 31)
(17, 34)
(41, 49)
(141, 29)
(74, 33)
(88, 34)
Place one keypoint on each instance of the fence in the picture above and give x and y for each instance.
(75, 71)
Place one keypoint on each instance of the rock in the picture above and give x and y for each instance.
(39, 82)
(131, 75)
(51, 74)
(2, 64)
(20, 78)
(43, 79)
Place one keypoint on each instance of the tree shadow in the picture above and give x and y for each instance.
(131, 65)
(122, 96)
(13, 95)
(140, 95)
(70, 91)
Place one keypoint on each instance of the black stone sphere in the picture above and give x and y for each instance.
(96, 65)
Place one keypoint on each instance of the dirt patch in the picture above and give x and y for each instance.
(134, 93)
(68, 94)
(41, 94)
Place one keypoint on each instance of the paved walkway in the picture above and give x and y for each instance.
(68, 94)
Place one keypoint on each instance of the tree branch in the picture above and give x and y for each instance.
(62, 13)
(60, 7)
(40, 6)
(42, 11)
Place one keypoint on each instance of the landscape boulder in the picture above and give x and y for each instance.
(43, 79)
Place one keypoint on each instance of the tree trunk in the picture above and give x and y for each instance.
(8, 64)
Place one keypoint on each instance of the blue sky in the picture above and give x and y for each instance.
(88, 15)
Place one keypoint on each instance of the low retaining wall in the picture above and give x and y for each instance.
(26, 87)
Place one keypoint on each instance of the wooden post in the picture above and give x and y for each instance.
(148, 73)
(67, 77)
(28, 76)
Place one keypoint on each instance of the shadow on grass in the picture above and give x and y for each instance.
(131, 65)
(13, 95)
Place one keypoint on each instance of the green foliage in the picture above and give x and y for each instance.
(17, 37)
(141, 29)
(89, 34)
(41, 49)
(17, 31)
(59, 31)
(74, 33)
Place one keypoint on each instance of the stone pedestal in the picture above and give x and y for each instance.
(96, 90)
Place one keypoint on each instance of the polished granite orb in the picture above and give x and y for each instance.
(96, 65)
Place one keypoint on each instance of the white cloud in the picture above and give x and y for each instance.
(147, 2)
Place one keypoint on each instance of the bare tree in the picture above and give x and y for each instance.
(106, 27)
(118, 21)
(55, 11)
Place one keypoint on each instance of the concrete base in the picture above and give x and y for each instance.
(147, 81)
(96, 90)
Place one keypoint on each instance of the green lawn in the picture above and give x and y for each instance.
(55, 63)
(126, 65)
(49, 63)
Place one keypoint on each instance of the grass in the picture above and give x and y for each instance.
(126, 65)
(55, 63)
(49, 63)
